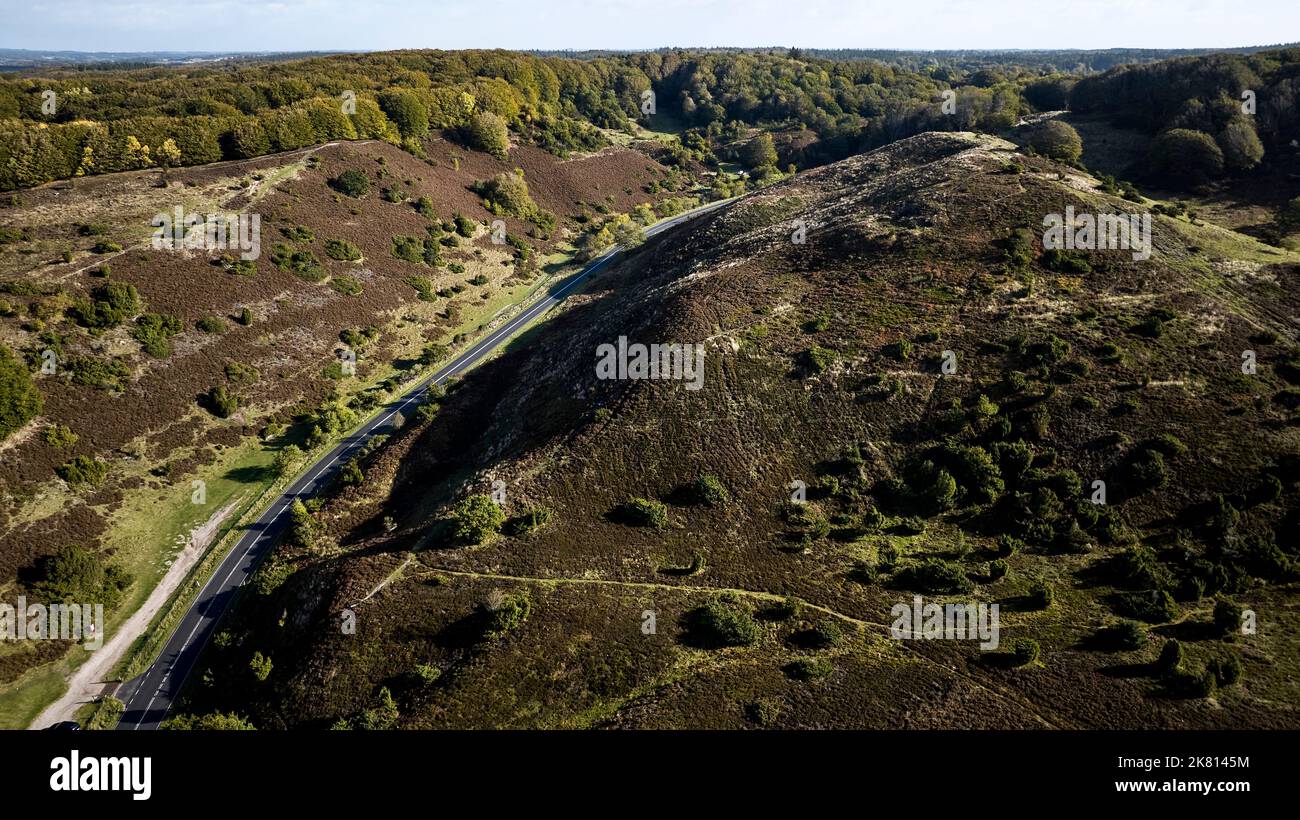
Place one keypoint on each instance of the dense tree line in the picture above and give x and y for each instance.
(1210, 115)
(117, 120)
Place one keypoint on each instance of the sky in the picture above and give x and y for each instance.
(372, 25)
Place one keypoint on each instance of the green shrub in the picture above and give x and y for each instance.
(641, 512)
(1227, 616)
(346, 285)
(708, 490)
(298, 233)
(61, 436)
(808, 668)
(719, 624)
(109, 305)
(342, 250)
(221, 402)
(76, 574)
(816, 359)
(487, 132)
(1171, 657)
(1024, 651)
(934, 576)
(239, 373)
(530, 521)
(1058, 140)
(1153, 606)
(506, 614)
(211, 324)
(352, 182)
(20, 401)
(900, 350)
(303, 264)
(260, 666)
(423, 287)
(1226, 670)
(110, 374)
(1040, 595)
(82, 470)
(477, 517)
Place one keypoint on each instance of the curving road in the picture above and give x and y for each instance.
(149, 696)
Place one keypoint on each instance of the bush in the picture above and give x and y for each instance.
(816, 359)
(1241, 147)
(82, 470)
(342, 250)
(58, 435)
(260, 666)
(505, 193)
(1226, 670)
(708, 490)
(1041, 595)
(530, 521)
(934, 576)
(1171, 657)
(641, 512)
(487, 132)
(302, 264)
(76, 574)
(506, 614)
(1183, 156)
(1153, 606)
(346, 285)
(20, 401)
(1024, 651)
(1057, 140)
(97, 373)
(352, 182)
(154, 331)
(718, 624)
(109, 305)
(809, 668)
(900, 350)
(476, 518)
(1128, 635)
(211, 324)
(1227, 616)
(239, 373)
(221, 402)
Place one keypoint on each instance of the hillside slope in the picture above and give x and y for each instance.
(824, 365)
(136, 403)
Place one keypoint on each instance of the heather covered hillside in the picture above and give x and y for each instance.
(904, 392)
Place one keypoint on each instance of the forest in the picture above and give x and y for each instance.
(1207, 116)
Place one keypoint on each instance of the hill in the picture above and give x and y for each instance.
(947, 391)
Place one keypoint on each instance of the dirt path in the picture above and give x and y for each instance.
(87, 683)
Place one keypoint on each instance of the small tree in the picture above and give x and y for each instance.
(759, 152)
(477, 517)
(1182, 155)
(1057, 140)
(352, 182)
(222, 402)
(643, 512)
(260, 666)
(487, 132)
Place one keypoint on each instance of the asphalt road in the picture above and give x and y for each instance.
(150, 696)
